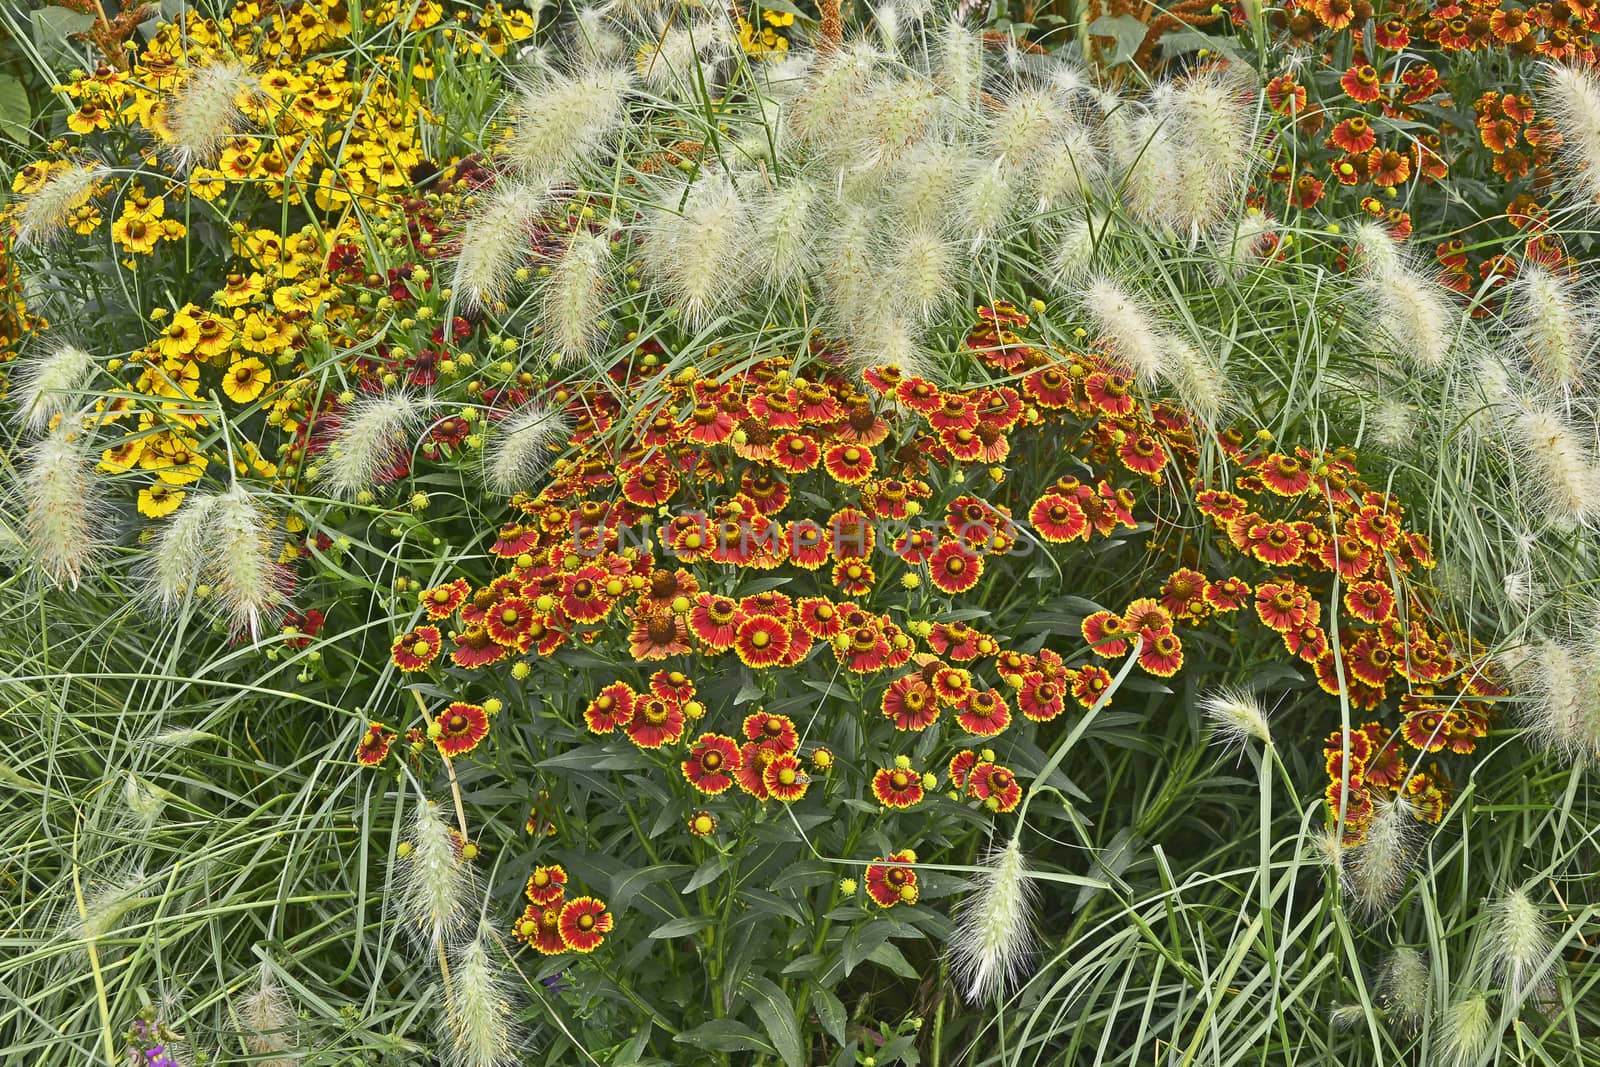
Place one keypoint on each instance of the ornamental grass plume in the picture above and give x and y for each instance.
(179, 554)
(205, 112)
(519, 450)
(63, 520)
(985, 208)
(1375, 871)
(1411, 316)
(242, 563)
(48, 212)
(1121, 317)
(1403, 988)
(434, 881)
(1571, 100)
(1242, 244)
(495, 243)
(925, 183)
(1552, 318)
(787, 220)
(267, 1019)
(958, 65)
(1554, 464)
(50, 384)
(994, 926)
(572, 305)
(479, 1022)
(697, 246)
(1236, 716)
(1465, 1029)
(825, 113)
(1074, 243)
(563, 122)
(1022, 126)
(924, 274)
(1519, 940)
(1553, 678)
(371, 436)
(1068, 169)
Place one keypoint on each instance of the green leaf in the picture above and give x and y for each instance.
(772, 1007)
(52, 28)
(1128, 31)
(724, 1035)
(689, 924)
(624, 887)
(15, 110)
(888, 956)
(830, 1012)
(707, 873)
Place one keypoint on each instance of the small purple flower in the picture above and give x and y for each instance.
(149, 1049)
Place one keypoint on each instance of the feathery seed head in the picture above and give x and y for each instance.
(205, 112)
(986, 206)
(924, 274)
(958, 65)
(926, 181)
(830, 102)
(1465, 1031)
(63, 517)
(494, 243)
(1375, 871)
(50, 384)
(787, 248)
(46, 213)
(564, 121)
(1121, 317)
(1554, 322)
(143, 800)
(597, 36)
(1571, 100)
(572, 303)
(373, 435)
(1022, 127)
(994, 926)
(1236, 716)
(178, 556)
(700, 254)
(1403, 987)
(1556, 465)
(1067, 169)
(479, 1021)
(520, 448)
(434, 881)
(1240, 245)
(1520, 940)
(1076, 240)
(1413, 320)
(245, 577)
(266, 1016)
(1375, 253)
(1347, 1016)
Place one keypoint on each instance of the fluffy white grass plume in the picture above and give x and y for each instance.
(925, 183)
(597, 38)
(958, 66)
(479, 1025)
(1236, 716)
(986, 203)
(1347, 1016)
(1553, 319)
(890, 24)
(699, 254)
(1121, 317)
(371, 435)
(850, 270)
(1197, 380)
(563, 121)
(1391, 421)
(1068, 169)
(45, 213)
(494, 243)
(205, 112)
(520, 448)
(572, 304)
(895, 115)
(1519, 940)
(1240, 245)
(994, 926)
(142, 800)
(830, 102)
(266, 1018)
(891, 340)
(1022, 126)
(50, 384)
(1553, 679)
(1409, 314)
(787, 219)
(1571, 99)
(1403, 987)
(1216, 111)
(1465, 1030)
(246, 579)
(179, 553)
(63, 515)
(1375, 871)
(1555, 464)
(1074, 245)
(435, 883)
(924, 272)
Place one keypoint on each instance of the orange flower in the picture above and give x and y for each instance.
(459, 728)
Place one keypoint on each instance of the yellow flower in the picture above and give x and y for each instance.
(179, 337)
(178, 379)
(253, 459)
(85, 218)
(89, 118)
(246, 380)
(207, 184)
(240, 290)
(263, 334)
(174, 460)
(135, 234)
(214, 335)
(121, 458)
(156, 501)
